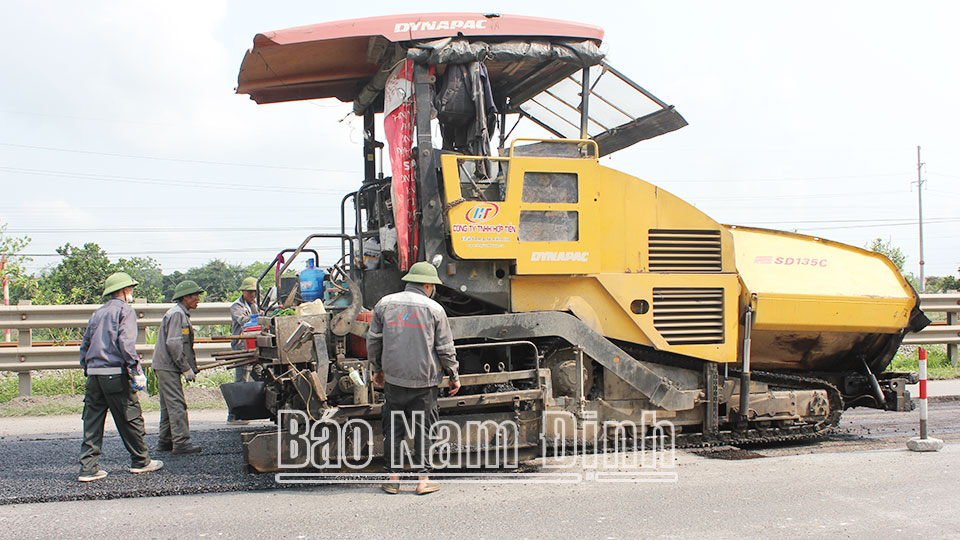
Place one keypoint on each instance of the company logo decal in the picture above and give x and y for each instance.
(440, 25)
(482, 212)
(409, 318)
(559, 256)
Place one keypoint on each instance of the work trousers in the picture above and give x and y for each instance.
(408, 412)
(113, 393)
(240, 374)
(174, 426)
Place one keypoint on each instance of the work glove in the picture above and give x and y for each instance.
(189, 376)
(140, 382)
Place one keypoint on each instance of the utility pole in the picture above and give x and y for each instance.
(920, 164)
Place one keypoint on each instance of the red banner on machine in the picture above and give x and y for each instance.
(398, 127)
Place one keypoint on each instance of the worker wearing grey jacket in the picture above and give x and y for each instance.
(410, 346)
(108, 356)
(173, 355)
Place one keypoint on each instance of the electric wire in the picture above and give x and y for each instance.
(178, 160)
(780, 179)
(268, 188)
(272, 249)
(173, 229)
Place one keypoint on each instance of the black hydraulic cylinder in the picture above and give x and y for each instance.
(874, 384)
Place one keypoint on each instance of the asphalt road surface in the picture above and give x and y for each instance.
(859, 483)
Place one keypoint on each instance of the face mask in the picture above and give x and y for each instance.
(129, 298)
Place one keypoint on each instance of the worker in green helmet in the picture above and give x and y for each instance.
(410, 347)
(108, 356)
(173, 356)
(241, 312)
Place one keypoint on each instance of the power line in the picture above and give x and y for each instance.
(777, 179)
(141, 122)
(873, 226)
(695, 199)
(168, 182)
(950, 193)
(179, 160)
(186, 251)
(312, 169)
(138, 208)
(718, 208)
(779, 194)
(173, 229)
(908, 221)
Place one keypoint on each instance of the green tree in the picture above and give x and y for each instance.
(937, 284)
(10, 247)
(896, 256)
(170, 282)
(256, 270)
(217, 278)
(147, 272)
(888, 250)
(12, 264)
(79, 277)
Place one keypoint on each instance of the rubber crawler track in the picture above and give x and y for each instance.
(761, 436)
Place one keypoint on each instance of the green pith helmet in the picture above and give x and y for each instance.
(423, 272)
(117, 281)
(184, 288)
(249, 284)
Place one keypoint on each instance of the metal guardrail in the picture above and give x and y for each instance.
(28, 316)
(940, 333)
(26, 357)
(68, 357)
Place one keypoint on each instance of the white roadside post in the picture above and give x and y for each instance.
(923, 443)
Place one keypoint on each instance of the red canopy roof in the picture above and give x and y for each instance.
(336, 59)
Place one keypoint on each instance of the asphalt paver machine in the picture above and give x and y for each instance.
(571, 287)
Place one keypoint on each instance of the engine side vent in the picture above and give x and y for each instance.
(677, 250)
(688, 316)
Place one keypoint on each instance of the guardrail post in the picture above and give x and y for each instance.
(142, 333)
(25, 386)
(952, 348)
(25, 339)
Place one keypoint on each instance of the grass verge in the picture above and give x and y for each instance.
(937, 365)
(61, 392)
(71, 382)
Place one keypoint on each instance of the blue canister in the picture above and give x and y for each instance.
(311, 282)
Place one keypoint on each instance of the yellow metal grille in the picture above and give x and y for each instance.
(688, 316)
(677, 250)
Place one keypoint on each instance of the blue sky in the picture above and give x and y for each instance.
(119, 124)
